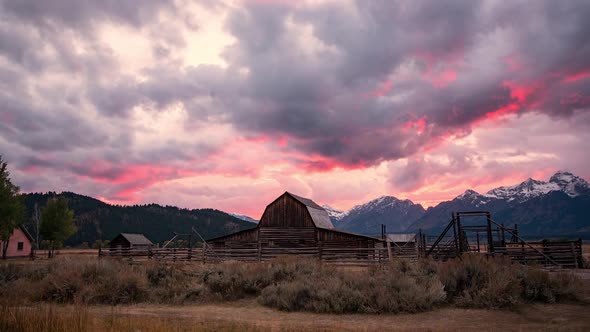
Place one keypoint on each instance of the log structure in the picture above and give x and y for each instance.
(294, 225)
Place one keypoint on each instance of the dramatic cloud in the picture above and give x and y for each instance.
(340, 100)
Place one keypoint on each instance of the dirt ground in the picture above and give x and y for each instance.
(562, 317)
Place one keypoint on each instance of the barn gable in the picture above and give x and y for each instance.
(290, 210)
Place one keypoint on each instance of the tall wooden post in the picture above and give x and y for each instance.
(419, 240)
(460, 235)
(204, 252)
(389, 253)
(502, 231)
(424, 243)
(477, 233)
(455, 234)
(490, 235)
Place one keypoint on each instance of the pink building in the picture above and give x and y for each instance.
(20, 243)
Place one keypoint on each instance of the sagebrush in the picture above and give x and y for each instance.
(289, 284)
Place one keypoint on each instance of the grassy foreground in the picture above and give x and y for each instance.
(39, 296)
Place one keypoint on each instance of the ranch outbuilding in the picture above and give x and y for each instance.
(294, 224)
(128, 240)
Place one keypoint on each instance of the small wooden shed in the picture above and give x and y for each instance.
(20, 243)
(292, 221)
(129, 240)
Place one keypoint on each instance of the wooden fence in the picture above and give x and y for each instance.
(349, 255)
(567, 254)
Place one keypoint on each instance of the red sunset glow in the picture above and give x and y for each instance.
(227, 106)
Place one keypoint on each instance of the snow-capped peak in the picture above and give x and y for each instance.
(382, 202)
(570, 184)
(334, 213)
(244, 217)
(561, 181)
(475, 198)
(523, 191)
(468, 194)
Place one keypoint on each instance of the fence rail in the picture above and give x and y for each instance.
(341, 255)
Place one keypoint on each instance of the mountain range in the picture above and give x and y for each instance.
(557, 207)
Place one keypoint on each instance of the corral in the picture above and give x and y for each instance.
(297, 226)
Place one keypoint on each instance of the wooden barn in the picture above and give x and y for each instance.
(127, 240)
(294, 224)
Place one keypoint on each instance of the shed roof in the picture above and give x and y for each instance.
(400, 237)
(318, 214)
(27, 234)
(136, 239)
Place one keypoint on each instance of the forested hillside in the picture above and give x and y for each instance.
(97, 220)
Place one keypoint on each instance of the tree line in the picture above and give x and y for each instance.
(55, 220)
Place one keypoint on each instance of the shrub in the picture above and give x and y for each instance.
(333, 291)
(291, 284)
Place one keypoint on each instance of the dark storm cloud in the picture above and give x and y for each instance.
(320, 99)
(81, 14)
(356, 85)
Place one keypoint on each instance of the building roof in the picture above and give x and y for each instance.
(136, 239)
(27, 234)
(306, 201)
(368, 237)
(318, 214)
(400, 237)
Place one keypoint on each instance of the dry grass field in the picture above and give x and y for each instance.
(248, 314)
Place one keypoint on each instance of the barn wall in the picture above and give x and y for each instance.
(338, 239)
(286, 212)
(244, 239)
(119, 241)
(287, 237)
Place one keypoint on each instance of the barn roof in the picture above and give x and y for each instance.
(306, 201)
(318, 214)
(136, 239)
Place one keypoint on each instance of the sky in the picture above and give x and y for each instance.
(227, 104)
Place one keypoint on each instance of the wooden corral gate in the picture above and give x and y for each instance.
(496, 239)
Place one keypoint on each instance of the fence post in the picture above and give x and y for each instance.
(424, 244)
(573, 246)
(99, 251)
(204, 252)
(389, 254)
(455, 235)
(545, 250)
(490, 235)
(580, 257)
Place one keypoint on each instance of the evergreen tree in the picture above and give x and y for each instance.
(11, 207)
(57, 223)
